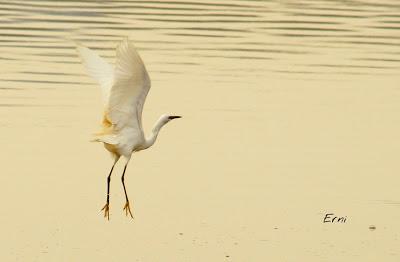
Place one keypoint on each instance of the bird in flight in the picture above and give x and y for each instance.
(124, 88)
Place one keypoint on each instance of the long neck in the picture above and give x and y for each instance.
(154, 133)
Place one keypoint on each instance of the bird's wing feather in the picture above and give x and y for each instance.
(130, 88)
(98, 69)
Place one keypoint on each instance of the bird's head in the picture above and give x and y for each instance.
(166, 118)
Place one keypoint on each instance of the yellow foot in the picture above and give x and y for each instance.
(127, 209)
(106, 209)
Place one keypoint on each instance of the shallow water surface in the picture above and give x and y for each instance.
(290, 111)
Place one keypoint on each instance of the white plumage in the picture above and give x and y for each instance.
(124, 89)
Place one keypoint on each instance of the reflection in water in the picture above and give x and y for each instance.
(277, 39)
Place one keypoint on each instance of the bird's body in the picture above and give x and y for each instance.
(124, 89)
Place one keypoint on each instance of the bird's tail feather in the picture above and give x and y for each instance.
(108, 139)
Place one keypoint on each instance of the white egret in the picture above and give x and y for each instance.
(124, 88)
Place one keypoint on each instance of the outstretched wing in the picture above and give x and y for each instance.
(129, 90)
(98, 69)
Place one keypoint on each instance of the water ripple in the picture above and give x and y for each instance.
(313, 38)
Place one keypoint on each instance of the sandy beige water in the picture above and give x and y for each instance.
(290, 111)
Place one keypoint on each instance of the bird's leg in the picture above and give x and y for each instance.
(106, 207)
(127, 208)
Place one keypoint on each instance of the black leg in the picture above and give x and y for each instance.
(126, 207)
(106, 207)
(123, 182)
(108, 184)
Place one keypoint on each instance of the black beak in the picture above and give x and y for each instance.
(173, 117)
